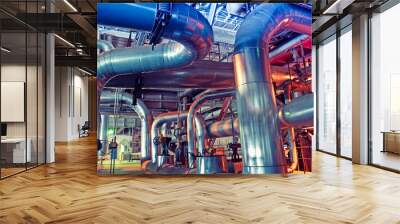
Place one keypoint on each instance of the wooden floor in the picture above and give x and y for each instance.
(70, 191)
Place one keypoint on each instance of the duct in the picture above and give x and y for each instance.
(223, 128)
(234, 8)
(142, 111)
(257, 109)
(186, 26)
(104, 45)
(201, 74)
(190, 93)
(200, 133)
(205, 96)
(157, 123)
(278, 51)
(298, 113)
(103, 131)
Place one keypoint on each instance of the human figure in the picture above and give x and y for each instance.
(235, 145)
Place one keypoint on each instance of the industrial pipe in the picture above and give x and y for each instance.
(188, 27)
(103, 127)
(304, 118)
(108, 97)
(223, 128)
(298, 113)
(104, 45)
(200, 99)
(157, 123)
(201, 74)
(257, 109)
(201, 132)
(290, 44)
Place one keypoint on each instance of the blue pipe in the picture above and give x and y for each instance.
(186, 26)
(256, 103)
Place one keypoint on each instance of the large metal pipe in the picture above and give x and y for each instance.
(201, 74)
(157, 123)
(299, 114)
(201, 132)
(104, 45)
(186, 26)
(103, 127)
(124, 98)
(257, 109)
(223, 128)
(200, 99)
(292, 43)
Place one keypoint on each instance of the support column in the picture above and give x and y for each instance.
(50, 98)
(50, 91)
(360, 90)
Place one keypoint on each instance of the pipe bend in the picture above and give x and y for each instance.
(124, 98)
(157, 123)
(298, 113)
(186, 26)
(200, 99)
(257, 29)
(104, 45)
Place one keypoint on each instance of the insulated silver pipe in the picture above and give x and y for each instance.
(103, 130)
(223, 128)
(278, 51)
(108, 97)
(201, 132)
(104, 45)
(299, 114)
(188, 27)
(255, 98)
(201, 75)
(200, 99)
(157, 123)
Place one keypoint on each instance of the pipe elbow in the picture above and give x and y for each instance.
(104, 45)
(260, 25)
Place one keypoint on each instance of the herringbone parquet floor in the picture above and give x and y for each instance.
(69, 191)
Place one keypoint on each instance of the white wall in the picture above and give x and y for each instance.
(71, 102)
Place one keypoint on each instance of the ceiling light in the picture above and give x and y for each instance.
(70, 5)
(65, 41)
(5, 50)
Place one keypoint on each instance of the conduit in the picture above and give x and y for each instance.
(203, 97)
(191, 31)
(257, 109)
(201, 137)
(108, 97)
(299, 113)
(104, 45)
(157, 123)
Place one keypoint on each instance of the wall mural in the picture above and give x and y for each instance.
(204, 88)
